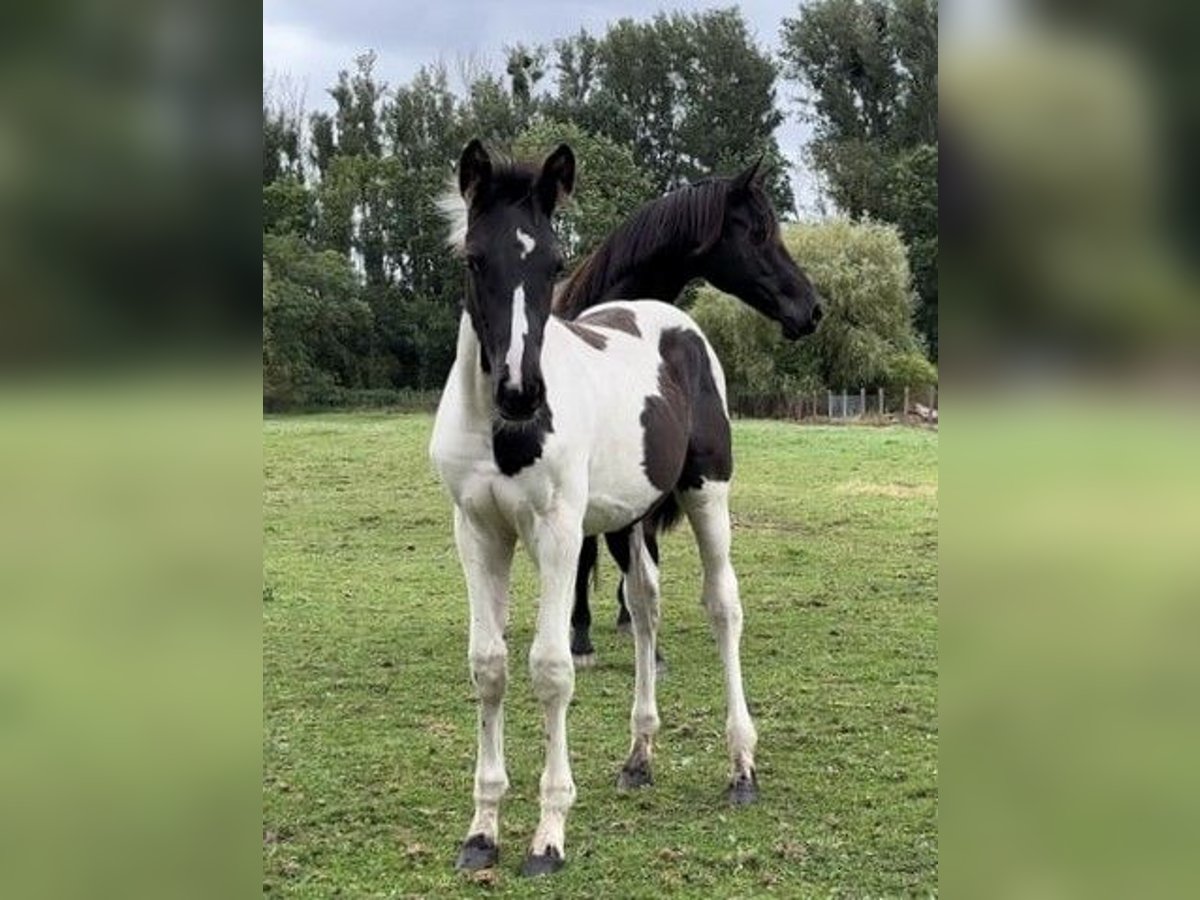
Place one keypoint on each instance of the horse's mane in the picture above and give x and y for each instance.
(511, 181)
(687, 220)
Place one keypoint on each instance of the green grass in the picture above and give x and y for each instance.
(369, 731)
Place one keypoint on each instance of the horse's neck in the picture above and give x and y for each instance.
(663, 279)
(475, 388)
(656, 281)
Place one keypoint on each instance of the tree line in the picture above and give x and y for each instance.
(361, 295)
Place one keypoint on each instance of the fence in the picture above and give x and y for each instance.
(917, 406)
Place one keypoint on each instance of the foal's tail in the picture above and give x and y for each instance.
(663, 517)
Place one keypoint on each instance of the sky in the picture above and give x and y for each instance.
(308, 41)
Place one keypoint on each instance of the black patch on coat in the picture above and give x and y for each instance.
(594, 338)
(621, 319)
(516, 445)
(686, 436)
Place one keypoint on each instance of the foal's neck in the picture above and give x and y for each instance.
(474, 383)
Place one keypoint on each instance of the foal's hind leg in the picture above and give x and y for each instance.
(707, 509)
(641, 585)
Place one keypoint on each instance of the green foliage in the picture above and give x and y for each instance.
(645, 106)
(692, 94)
(288, 207)
(609, 184)
(316, 332)
(866, 338)
(870, 67)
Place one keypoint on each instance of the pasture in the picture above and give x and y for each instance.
(369, 716)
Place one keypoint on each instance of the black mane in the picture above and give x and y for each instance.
(684, 223)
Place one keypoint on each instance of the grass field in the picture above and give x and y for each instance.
(369, 719)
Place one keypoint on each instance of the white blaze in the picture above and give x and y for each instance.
(527, 243)
(516, 337)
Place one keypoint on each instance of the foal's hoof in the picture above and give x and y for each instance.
(584, 660)
(542, 863)
(477, 852)
(743, 790)
(635, 775)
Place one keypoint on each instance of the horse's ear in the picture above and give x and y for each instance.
(752, 176)
(474, 168)
(557, 180)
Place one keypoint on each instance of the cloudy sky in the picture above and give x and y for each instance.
(308, 41)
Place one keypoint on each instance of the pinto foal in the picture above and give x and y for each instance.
(548, 430)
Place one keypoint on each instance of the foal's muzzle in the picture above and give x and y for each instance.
(520, 404)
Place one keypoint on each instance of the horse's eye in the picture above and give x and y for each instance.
(559, 266)
(475, 263)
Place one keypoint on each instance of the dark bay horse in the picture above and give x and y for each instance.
(723, 230)
(549, 430)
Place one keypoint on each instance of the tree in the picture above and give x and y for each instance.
(870, 67)
(316, 332)
(691, 94)
(609, 185)
(866, 338)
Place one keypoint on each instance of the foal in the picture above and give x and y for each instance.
(549, 430)
(723, 230)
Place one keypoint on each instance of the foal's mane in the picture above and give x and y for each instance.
(684, 222)
(512, 181)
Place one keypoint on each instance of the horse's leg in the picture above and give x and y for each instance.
(618, 546)
(624, 622)
(554, 541)
(641, 585)
(486, 556)
(708, 511)
(581, 615)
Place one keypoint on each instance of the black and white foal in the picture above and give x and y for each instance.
(549, 430)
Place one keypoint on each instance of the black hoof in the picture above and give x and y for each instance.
(581, 645)
(635, 775)
(542, 863)
(743, 790)
(477, 852)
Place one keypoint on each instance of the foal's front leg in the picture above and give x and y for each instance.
(554, 541)
(486, 556)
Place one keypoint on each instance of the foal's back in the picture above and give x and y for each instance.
(642, 388)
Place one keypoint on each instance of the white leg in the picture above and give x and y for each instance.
(554, 542)
(641, 595)
(708, 511)
(486, 557)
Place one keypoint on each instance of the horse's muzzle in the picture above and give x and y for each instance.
(798, 328)
(520, 404)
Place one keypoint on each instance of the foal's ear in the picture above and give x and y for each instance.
(557, 180)
(474, 168)
(753, 175)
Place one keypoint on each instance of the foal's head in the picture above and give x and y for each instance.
(513, 260)
(746, 257)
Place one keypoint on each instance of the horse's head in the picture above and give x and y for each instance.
(513, 260)
(748, 259)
